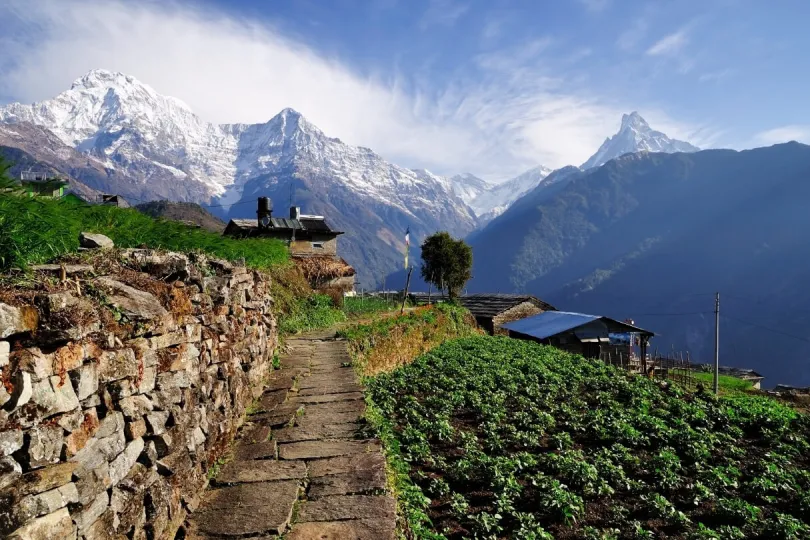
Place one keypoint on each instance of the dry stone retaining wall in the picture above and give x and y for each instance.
(123, 381)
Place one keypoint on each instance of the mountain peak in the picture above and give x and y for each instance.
(635, 135)
(633, 120)
(102, 78)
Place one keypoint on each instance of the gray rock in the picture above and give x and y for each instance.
(95, 241)
(137, 305)
(10, 441)
(91, 512)
(156, 421)
(121, 465)
(134, 407)
(114, 365)
(147, 383)
(39, 365)
(54, 396)
(43, 445)
(5, 350)
(85, 380)
(55, 525)
(5, 397)
(10, 471)
(110, 424)
(47, 502)
(16, 320)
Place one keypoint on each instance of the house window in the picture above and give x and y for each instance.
(317, 245)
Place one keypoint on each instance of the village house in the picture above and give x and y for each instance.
(37, 184)
(492, 310)
(592, 336)
(312, 243)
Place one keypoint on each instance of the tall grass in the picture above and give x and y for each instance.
(36, 230)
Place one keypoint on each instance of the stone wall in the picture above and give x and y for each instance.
(124, 378)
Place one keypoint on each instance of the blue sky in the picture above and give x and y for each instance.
(492, 87)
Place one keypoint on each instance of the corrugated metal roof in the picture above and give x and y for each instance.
(551, 323)
(287, 224)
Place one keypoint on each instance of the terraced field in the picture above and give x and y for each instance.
(497, 438)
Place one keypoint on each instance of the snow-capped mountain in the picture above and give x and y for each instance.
(157, 141)
(468, 186)
(493, 201)
(635, 135)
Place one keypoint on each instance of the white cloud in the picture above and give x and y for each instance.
(669, 45)
(715, 76)
(506, 114)
(783, 134)
(443, 13)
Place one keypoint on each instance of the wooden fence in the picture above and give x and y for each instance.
(674, 367)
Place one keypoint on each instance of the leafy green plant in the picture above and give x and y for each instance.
(511, 439)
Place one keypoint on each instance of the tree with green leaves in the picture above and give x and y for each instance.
(5, 176)
(446, 263)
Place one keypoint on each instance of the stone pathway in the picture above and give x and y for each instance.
(300, 468)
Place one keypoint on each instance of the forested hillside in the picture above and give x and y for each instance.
(652, 236)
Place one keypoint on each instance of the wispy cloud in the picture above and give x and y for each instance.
(783, 134)
(669, 45)
(506, 112)
(715, 76)
(595, 6)
(443, 13)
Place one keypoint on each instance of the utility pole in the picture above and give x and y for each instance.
(717, 343)
(405, 295)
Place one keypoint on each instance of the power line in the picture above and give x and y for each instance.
(671, 314)
(767, 328)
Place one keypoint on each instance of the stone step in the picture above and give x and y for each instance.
(237, 472)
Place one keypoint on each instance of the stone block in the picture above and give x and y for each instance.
(45, 503)
(156, 422)
(148, 380)
(54, 396)
(10, 471)
(174, 463)
(16, 320)
(56, 525)
(135, 304)
(110, 424)
(95, 241)
(36, 363)
(91, 512)
(113, 365)
(134, 407)
(43, 445)
(42, 480)
(10, 441)
(122, 464)
(135, 429)
(70, 421)
(79, 437)
(174, 379)
(5, 351)
(68, 357)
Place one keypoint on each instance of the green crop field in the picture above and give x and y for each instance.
(496, 438)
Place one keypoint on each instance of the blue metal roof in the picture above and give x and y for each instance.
(549, 323)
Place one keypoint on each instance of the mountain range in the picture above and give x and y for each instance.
(115, 134)
(652, 236)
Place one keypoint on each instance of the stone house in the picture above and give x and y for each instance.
(491, 310)
(312, 243)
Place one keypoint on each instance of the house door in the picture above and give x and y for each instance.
(591, 350)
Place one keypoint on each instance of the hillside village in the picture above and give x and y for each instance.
(207, 331)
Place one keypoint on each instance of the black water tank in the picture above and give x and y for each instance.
(264, 206)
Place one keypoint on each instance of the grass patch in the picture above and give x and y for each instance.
(36, 230)
(310, 313)
(726, 383)
(390, 342)
(490, 437)
(356, 306)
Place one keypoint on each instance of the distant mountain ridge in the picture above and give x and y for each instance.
(147, 146)
(650, 236)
